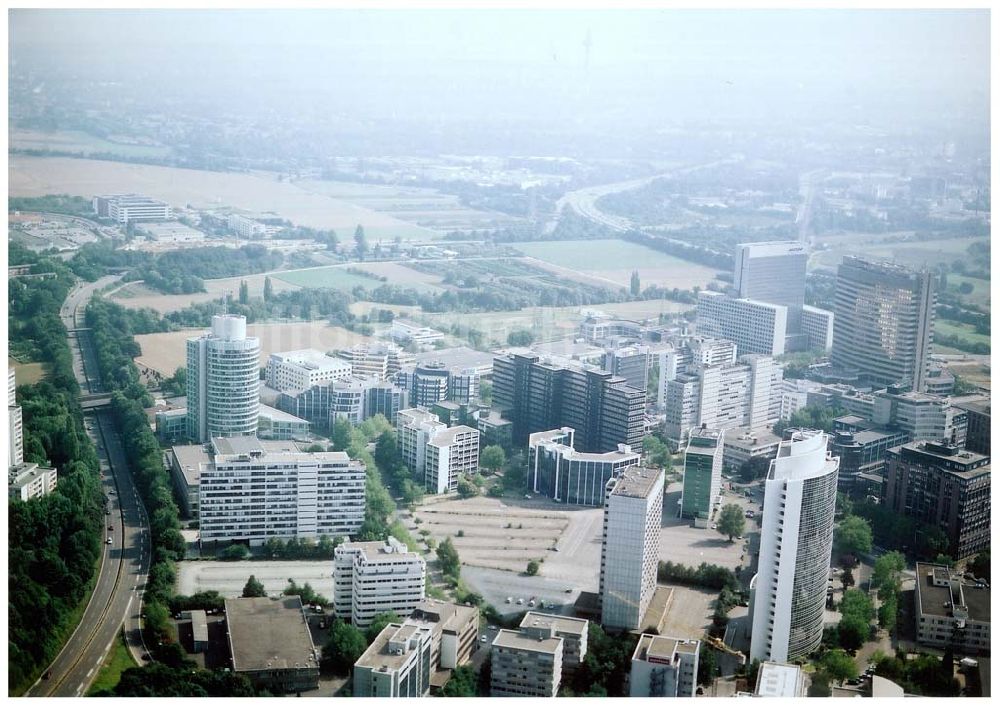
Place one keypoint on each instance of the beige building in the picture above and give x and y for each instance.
(664, 667)
(572, 630)
(454, 634)
(525, 665)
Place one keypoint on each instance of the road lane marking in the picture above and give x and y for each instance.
(89, 673)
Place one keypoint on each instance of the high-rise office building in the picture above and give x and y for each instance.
(977, 435)
(943, 485)
(772, 271)
(16, 426)
(631, 363)
(702, 472)
(788, 594)
(536, 394)
(756, 327)
(633, 513)
(884, 322)
(558, 471)
(223, 381)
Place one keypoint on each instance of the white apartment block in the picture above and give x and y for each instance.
(450, 453)
(788, 594)
(380, 360)
(15, 423)
(633, 512)
(252, 491)
(756, 327)
(298, 370)
(694, 353)
(397, 664)
(124, 208)
(245, 227)
(29, 481)
(572, 630)
(347, 399)
(414, 428)
(525, 665)
(817, 325)
(223, 380)
(403, 331)
(747, 393)
(372, 577)
(664, 667)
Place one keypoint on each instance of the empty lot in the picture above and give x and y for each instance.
(228, 578)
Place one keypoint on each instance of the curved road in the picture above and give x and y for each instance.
(121, 579)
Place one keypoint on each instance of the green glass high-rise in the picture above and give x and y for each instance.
(702, 472)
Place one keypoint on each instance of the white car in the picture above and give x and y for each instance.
(109, 541)
(484, 638)
(509, 600)
(520, 600)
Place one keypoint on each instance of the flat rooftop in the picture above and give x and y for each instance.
(269, 635)
(979, 405)
(449, 435)
(276, 450)
(509, 639)
(637, 482)
(946, 453)
(459, 358)
(451, 616)
(311, 359)
(190, 458)
(779, 680)
(933, 598)
(378, 657)
(417, 416)
(745, 435)
(279, 415)
(567, 625)
(653, 646)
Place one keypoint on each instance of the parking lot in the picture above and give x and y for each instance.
(228, 578)
(681, 542)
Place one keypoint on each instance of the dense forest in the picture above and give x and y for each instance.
(54, 541)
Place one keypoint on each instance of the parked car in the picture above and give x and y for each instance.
(109, 541)
(520, 600)
(484, 638)
(111, 528)
(509, 600)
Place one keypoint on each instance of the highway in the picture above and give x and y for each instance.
(117, 595)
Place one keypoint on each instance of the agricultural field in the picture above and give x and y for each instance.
(136, 295)
(27, 373)
(81, 143)
(613, 260)
(335, 277)
(165, 351)
(402, 275)
(918, 254)
(260, 191)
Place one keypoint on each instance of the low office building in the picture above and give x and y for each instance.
(270, 643)
(454, 633)
(171, 424)
(127, 208)
(780, 681)
(450, 453)
(702, 473)
(30, 481)
(494, 429)
(303, 368)
(744, 444)
(397, 664)
(403, 331)
(862, 452)
(274, 424)
(944, 485)
(633, 514)
(572, 630)
(525, 665)
(379, 360)
(558, 471)
(920, 415)
(950, 611)
(939, 381)
(664, 667)
(252, 491)
(372, 577)
(185, 463)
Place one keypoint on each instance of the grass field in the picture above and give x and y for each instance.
(82, 143)
(165, 351)
(614, 260)
(910, 253)
(136, 295)
(260, 191)
(966, 332)
(980, 294)
(402, 275)
(116, 663)
(28, 373)
(334, 277)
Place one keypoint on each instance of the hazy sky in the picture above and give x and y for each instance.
(868, 65)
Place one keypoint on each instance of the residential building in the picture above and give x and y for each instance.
(297, 370)
(977, 434)
(15, 423)
(252, 491)
(270, 643)
(572, 630)
(558, 471)
(633, 512)
(747, 393)
(862, 452)
(542, 394)
(28, 480)
(525, 665)
(788, 594)
(664, 667)
(944, 485)
(126, 208)
(951, 612)
(396, 665)
(372, 577)
(776, 680)
(449, 454)
(403, 331)
(631, 363)
(756, 327)
(743, 444)
(702, 472)
(884, 322)
(223, 378)
(381, 360)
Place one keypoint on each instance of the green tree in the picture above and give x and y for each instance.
(466, 489)
(380, 622)
(731, 521)
(268, 289)
(853, 535)
(462, 683)
(235, 551)
(341, 434)
(656, 451)
(344, 647)
(520, 338)
(856, 614)
(360, 241)
(448, 556)
(634, 285)
(888, 610)
(887, 568)
(532, 568)
(708, 665)
(492, 458)
(845, 507)
(486, 392)
(839, 665)
(980, 565)
(254, 588)
(820, 685)
(244, 292)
